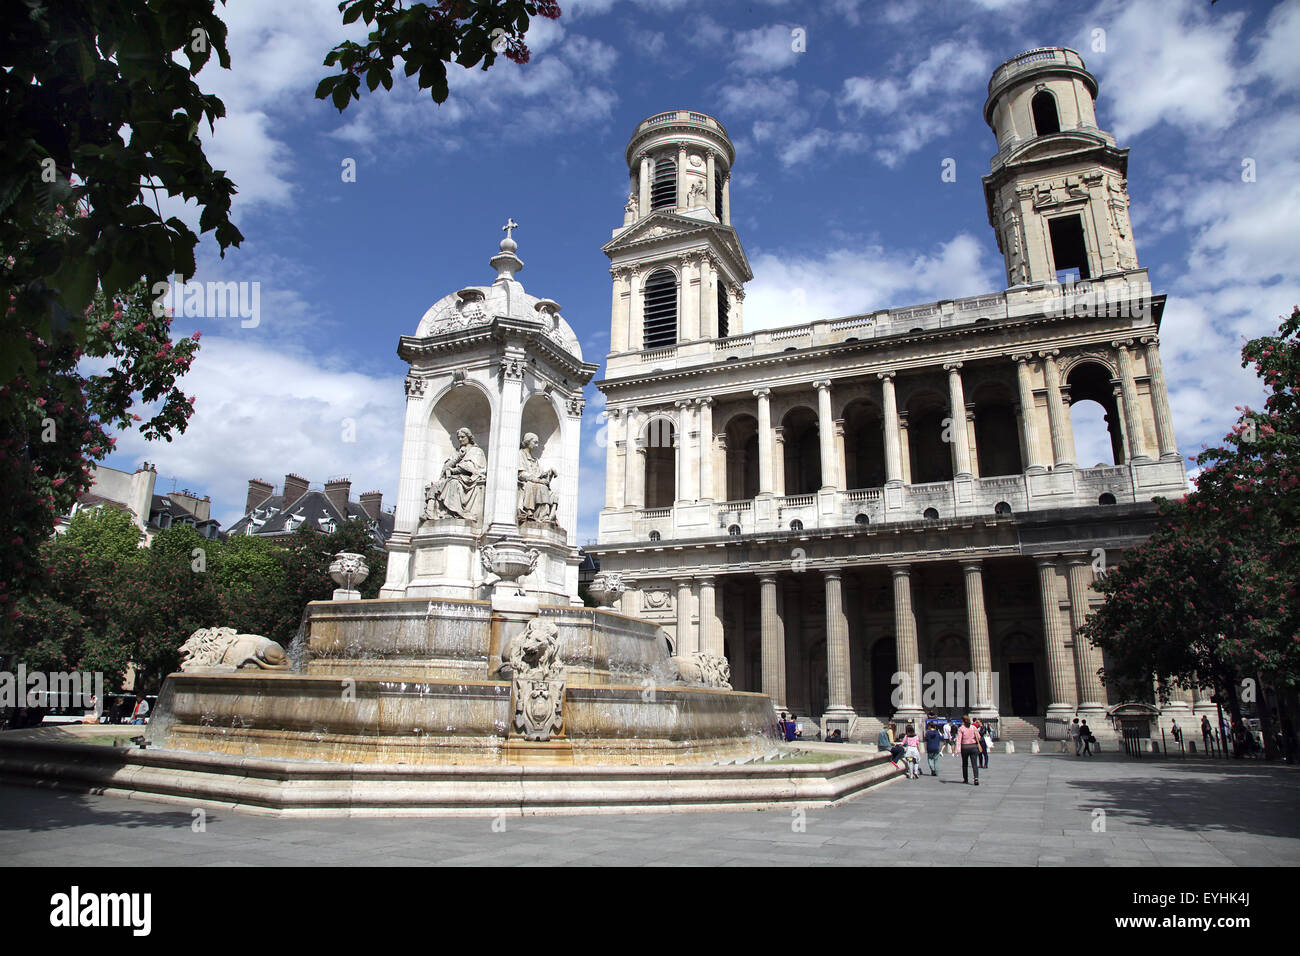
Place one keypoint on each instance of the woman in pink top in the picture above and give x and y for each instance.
(968, 743)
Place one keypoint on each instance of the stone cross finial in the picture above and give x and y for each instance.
(508, 227)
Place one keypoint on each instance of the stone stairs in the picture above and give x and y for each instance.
(1021, 730)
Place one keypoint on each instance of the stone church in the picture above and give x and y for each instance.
(847, 508)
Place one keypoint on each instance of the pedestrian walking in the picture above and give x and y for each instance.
(946, 735)
(912, 752)
(1074, 736)
(1207, 734)
(1085, 735)
(968, 743)
(986, 744)
(933, 748)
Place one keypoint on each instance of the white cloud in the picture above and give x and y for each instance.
(790, 290)
(764, 50)
(1167, 61)
(921, 105)
(1280, 38)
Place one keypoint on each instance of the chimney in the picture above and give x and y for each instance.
(370, 504)
(337, 491)
(295, 486)
(258, 491)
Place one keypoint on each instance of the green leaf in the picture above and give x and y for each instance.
(75, 281)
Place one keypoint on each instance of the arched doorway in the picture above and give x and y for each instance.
(1094, 416)
(660, 463)
(997, 432)
(929, 421)
(864, 446)
(742, 458)
(803, 461)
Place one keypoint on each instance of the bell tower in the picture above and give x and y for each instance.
(678, 266)
(1057, 194)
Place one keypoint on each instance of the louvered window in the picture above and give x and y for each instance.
(660, 310)
(724, 306)
(717, 193)
(663, 191)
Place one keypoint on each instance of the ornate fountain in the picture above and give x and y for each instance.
(478, 650)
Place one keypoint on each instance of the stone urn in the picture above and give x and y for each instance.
(606, 588)
(509, 561)
(349, 571)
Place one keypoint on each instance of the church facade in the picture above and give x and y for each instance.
(879, 516)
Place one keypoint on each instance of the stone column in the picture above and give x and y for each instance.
(972, 441)
(691, 269)
(904, 448)
(893, 440)
(1060, 669)
(636, 316)
(684, 426)
(957, 421)
(1125, 444)
(1160, 400)
(841, 459)
(631, 461)
(709, 196)
(778, 460)
(501, 508)
(1132, 412)
(1062, 450)
(764, 440)
(687, 642)
(1028, 414)
(838, 670)
(773, 646)
(726, 200)
(705, 417)
(613, 443)
(709, 279)
(619, 311)
(826, 435)
(643, 195)
(905, 649)
(1087, 658)
(737, 324)
(681, 176)
(710, 625)
(977, 624)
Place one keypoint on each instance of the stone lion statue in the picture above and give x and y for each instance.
(710, 670)
(221, 649)
(533, 654)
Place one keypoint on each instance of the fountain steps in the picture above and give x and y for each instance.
(315, 789)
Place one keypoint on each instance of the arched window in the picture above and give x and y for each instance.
(655, 536)
(861, 519)
(663, 191)
(1046, 118)
(1106, 499)
(660, 310)
(1002, 508)
(734, 531)
(931, 514)
(724, 309)
(796, 525)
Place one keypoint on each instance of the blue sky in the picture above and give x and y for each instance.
(836, 194)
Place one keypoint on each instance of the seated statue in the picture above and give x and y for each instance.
(460, 488)
(537, 503)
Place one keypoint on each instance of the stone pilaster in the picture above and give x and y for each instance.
(1087, 658)
(1132, 410)
(1028, 415)
(1164, 416)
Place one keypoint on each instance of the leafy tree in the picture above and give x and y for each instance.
(54, 425)
(426, 37)
(107, 532)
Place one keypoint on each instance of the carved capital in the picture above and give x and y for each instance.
(1122, 344)
(414, 387)
(704, 402)
(512, 369)
(951, 366)
(1021, 357)
(575, 406)
(885, 375)
(824, 383)
(762, 392)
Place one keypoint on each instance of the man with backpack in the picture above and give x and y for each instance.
(933, 748)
